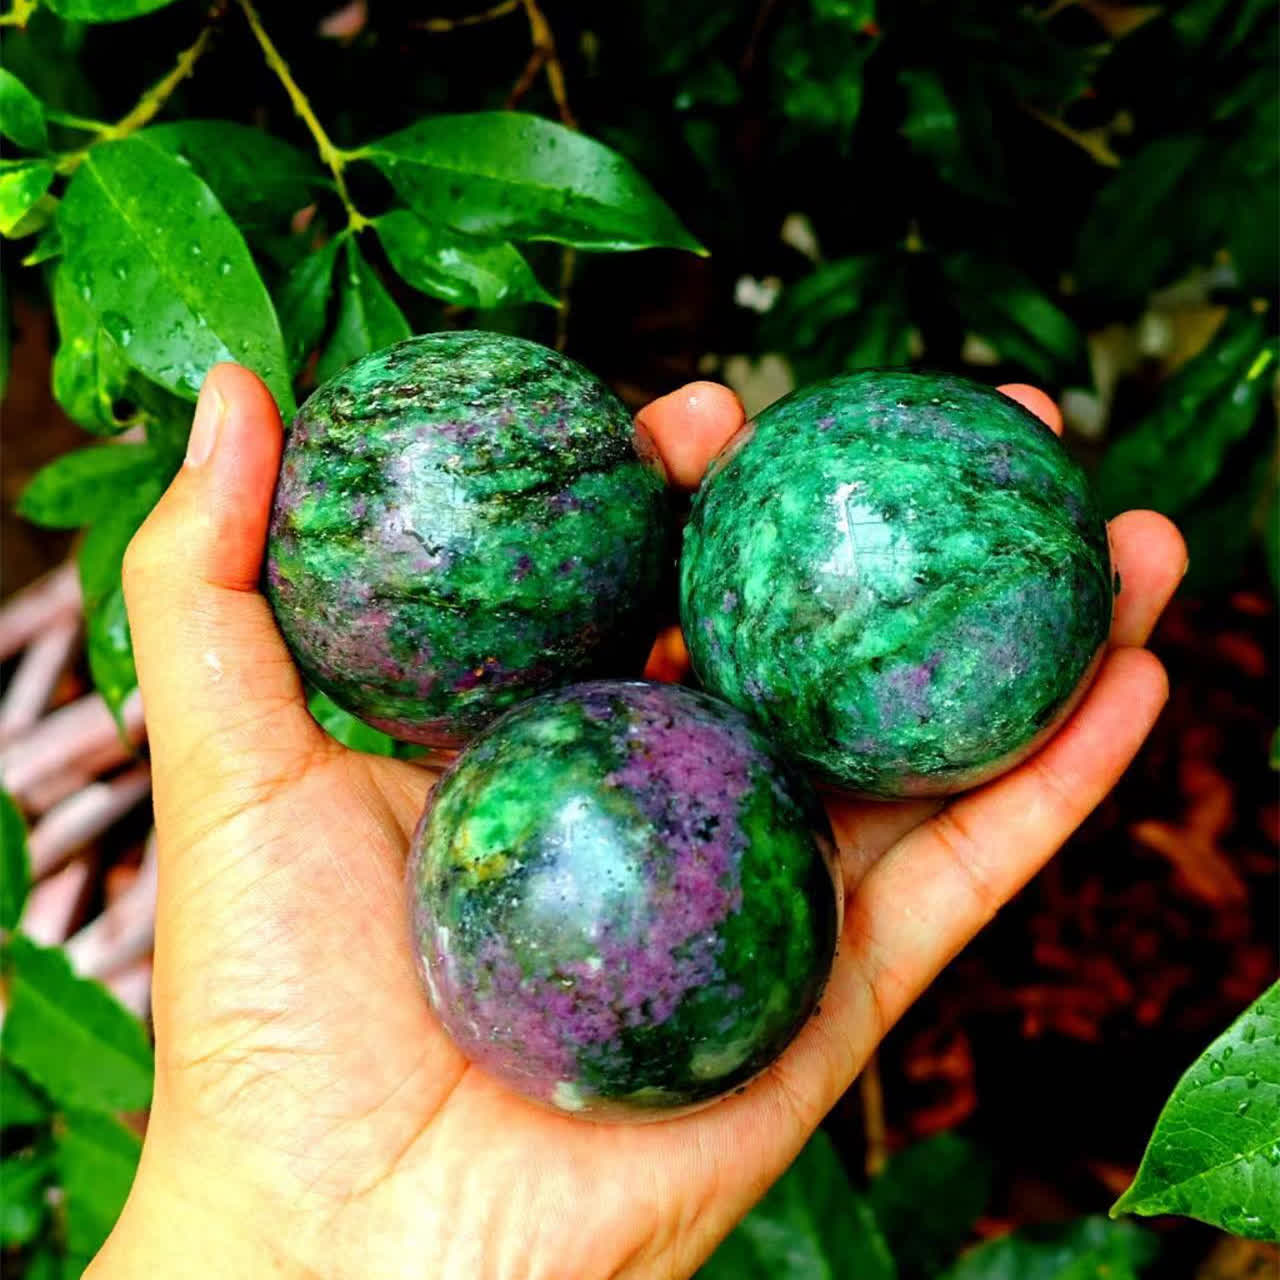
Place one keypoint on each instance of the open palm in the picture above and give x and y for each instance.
(310, 1115)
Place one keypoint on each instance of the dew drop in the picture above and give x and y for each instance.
(120, 269)
(224, 266)
(1251, 1080)
(1272, 1155)
(1243, 1108)
(1216, 1068)
(195, 250)
(1250, 1033)
(1227, 1052)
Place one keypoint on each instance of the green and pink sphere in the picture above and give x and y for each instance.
(624, 903)
(903, 577)
(462, 520)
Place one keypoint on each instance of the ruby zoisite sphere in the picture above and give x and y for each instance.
(461, 521)
(902, 577)
(624, 903)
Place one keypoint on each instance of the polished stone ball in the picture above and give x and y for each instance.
(623, 902)
(461, 521)
(903, 577)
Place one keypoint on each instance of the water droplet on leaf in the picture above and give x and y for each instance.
(1216, 1068)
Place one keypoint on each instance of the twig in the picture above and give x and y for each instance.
(871, 1095)
(153, 99)
(125, 931)
(1094, 142)
(132, 987)
(55, 904)
(20, 14)
(333, 156)
(84, 816)
(36, 675)
(546, 57)
(468, 20)
(74, 739)
(45, 603)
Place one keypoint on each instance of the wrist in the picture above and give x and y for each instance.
(176, 1224)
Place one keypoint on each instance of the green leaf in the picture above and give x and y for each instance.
(519, 177)
(21, 1103)
(153, 252)
(92, 380)
(1089, 1249)
(302, 302)
(110, 652)
(23, 1180)
(47, 246)
(85, 485)
(349, 731)
(847, 314)
(1178, 449)
(1271, 525)
(99, 560)
(368, 319)
(15, 863)
(259, 180)
(949, 126)
(22, 183)
(46, 1263)
(96, 1158)
(927, 1199)
(1005, 307)
(818, 68)
(1215, 1151)
(21, 114)
(71, 1037)
(856, 13)
(811, 1225)
(104, 10)
(456, 267)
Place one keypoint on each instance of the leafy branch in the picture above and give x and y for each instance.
(333, 156)
(147, 107)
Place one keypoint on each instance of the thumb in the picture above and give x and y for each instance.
(224, 702)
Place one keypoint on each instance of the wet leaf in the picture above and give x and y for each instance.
(927, 1199)
(150, 249)
(1090, 1249)
(85, 485)
(22, 183)
(466, 270)
(519, 177)
(1215, 1151)
(1006, 308)
(811, 1225)
(302, 302)
(1178, 449)
(104, 10)
(259, 180)
(71, 1037)
(15, 865)
(368, 318)
(21, 1103)
(21, 114)
(23, 1181)
(96, 1158)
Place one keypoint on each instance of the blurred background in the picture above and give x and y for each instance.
(1080, 194)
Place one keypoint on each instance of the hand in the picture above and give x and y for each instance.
(310, 1116)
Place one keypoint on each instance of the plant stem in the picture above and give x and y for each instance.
(18, 15)
(470, 19)
(871, 1094)
(147, 106)
(76, 122)
(333, 157)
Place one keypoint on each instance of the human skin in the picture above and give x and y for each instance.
(310, 1116)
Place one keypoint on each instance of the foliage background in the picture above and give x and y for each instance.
(1081, 194)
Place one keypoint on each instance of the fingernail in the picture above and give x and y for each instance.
(211, 408)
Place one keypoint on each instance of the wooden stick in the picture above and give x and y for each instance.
(33, 610)
(84, 816)
(37, 673)
(125, 932)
